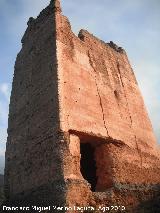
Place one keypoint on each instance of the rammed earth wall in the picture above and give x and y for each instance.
(78, 132)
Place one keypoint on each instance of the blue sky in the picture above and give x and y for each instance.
(134, 25)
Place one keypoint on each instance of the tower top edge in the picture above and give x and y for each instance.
(56, 4)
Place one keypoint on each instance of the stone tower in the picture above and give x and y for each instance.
(78, 131)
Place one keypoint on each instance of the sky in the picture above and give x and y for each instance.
(134, 25)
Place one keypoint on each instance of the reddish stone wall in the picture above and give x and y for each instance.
(69, 90)
(104, 94)
(99, 97)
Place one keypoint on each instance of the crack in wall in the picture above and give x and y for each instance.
(102, 109)
(100, 99)
(110, 55)
(117, 101)
(119, 72)
(131, 125)
(139, 151)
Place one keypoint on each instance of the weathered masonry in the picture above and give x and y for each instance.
(78, 131)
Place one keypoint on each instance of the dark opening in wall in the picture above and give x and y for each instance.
(88, 164)
(116, 94)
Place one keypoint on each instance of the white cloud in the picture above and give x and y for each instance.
(2, 162)
(3, 113)
(3, 138)
(4, 89)
(4, 103)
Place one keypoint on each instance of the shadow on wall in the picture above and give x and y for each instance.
(150, 206)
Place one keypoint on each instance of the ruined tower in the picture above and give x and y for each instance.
(78, 131)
